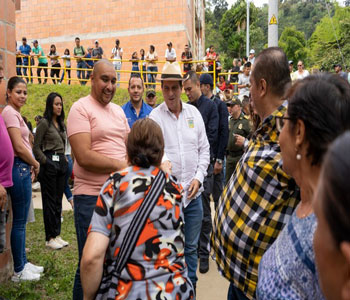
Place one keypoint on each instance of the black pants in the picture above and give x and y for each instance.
(38, 72)
(55, 72)
(52, 180)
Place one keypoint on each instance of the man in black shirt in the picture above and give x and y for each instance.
(186, 56)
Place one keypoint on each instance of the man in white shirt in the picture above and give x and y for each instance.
(243, 81)
(251, 58)
(117, 53)
(187, 148)
(170, 53)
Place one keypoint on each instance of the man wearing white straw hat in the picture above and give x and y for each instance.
(187, 149)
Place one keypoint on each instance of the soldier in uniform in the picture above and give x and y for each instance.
(239, 130)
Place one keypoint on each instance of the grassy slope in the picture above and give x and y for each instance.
(60, 266)
(37, 96)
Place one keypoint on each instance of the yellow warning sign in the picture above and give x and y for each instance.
(273, 20)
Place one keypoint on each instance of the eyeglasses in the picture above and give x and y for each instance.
(280, 122)
(300, 65)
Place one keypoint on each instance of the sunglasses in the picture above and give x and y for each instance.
(150, 96)
(280, 121)
(300, 65)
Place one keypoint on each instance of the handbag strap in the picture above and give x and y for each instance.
(138, 222)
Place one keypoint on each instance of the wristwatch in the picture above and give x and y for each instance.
(219, 161)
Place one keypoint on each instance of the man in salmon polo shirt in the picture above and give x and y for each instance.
(97, 131)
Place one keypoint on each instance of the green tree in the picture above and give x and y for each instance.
(293, 43)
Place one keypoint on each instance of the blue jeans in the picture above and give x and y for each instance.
(193, 223)
(21, 195)
(84, 206)
(235, 293)
(25, 71)
(80, 73)
(67, 191)
(152, 77)
(118, 67)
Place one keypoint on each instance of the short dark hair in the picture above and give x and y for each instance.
(272, 65)
(248, 64)
(145, 145)
(135, 75)
(77, 38)
(191, 75)
(335, 188)
(152, 47)
(322, 102)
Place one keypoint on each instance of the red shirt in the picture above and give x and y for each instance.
(213, 56)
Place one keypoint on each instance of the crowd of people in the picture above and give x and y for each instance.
(273, 160)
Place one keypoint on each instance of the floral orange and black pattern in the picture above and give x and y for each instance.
(156, 268)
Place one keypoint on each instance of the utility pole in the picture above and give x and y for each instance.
(247, 38)
(273, 23)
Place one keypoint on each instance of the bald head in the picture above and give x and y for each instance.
(102, 65)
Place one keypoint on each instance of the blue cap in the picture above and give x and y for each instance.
(206, 79)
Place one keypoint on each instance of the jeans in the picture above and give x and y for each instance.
(18, 69)
(144, 75)
(152, 77)
(3, 220)
(235, 293)
(68, 75)
(84, 206)
(55, 72)
(80, 73)
(117, 67)
(52, 179)
(67, 191)
(21, 195)
(38, 71)
(193, 223)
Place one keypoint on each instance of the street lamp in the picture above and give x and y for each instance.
(247, 38)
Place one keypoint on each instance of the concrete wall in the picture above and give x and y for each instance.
(7, 49)
(136, 23)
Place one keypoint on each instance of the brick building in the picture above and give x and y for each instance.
(136, 23)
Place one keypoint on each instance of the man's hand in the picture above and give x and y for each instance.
(217, 168)
(239, 140)
(3, 197)
(166, 166)
(193, 189)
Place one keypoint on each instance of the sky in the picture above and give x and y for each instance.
(262, 2)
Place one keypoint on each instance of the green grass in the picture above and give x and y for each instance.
(60, 265)
(37, 95)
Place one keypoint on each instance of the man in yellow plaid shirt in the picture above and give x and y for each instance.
(260, 197)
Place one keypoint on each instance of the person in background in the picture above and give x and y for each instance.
(332, 207)
(97, 131)
(49, 147)
(222, 83)
(144, 65)
(25, 50)
(251, 58)
(339, 71)
(21, 191)
(89, 62)
(243, 81)
(117, 55)
(67, 64)
(206, 87)
(18, 61)
(170, 53)
(79, 53)
(186, 57)
(53, 55)
(37, 120)
(211, 58)
(243, 62)
(246, 106)
(145, 149)
(308, 127)
(239, 131)
(38, 52)
(259, 200)
(67, 190)
(300, 73)
(97, 52)
(151, 98)
(135, 64)
(151, 59)
(136, 108)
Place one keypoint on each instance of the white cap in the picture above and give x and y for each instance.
(252, 51)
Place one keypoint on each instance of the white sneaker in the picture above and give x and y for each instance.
(59, 240)
(33, 268)
(53, 244)
(25, 275)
